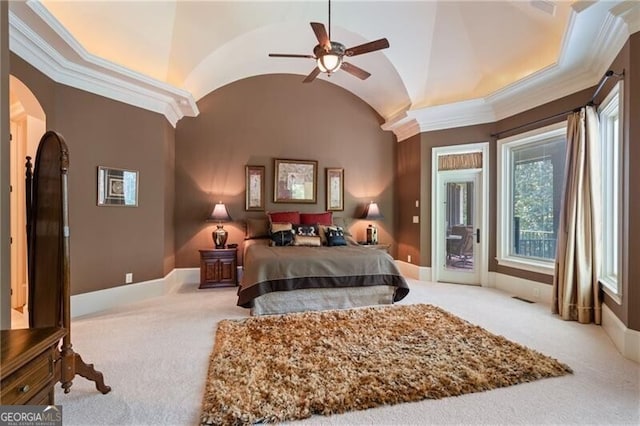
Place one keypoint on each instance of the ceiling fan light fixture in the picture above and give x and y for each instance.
(329, 54)
(329, 62)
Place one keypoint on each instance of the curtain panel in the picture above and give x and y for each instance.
(576, 293)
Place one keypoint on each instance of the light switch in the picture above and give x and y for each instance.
(417, 203)
(416, 219)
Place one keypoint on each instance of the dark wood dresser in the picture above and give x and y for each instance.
(28, 369)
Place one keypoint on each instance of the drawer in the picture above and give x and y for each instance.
(26, 383)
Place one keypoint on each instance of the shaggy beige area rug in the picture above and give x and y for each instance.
(286, 367)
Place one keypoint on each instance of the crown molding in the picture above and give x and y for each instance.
(594, 30)
(458, 114)
(38, 38)
(402, 126)
(630, 13)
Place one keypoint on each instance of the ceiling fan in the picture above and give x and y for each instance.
(330, 54)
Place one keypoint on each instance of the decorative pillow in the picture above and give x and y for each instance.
(335, 236)
(282, 238)
(278, 227)
(306, 230)
(257, 228)
(291, 217)
(306, 240)
(325, 218)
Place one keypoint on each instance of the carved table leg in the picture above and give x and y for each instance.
(73, 364)
(90, 373)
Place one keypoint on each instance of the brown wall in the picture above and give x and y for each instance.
(255, 120)
(169, 199)
(107, 242)
(408, 180)
(631, 279)
(632, 95)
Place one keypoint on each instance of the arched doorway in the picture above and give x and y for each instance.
(27, 124)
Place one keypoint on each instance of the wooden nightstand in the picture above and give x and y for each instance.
(29, 371)
(218, 268)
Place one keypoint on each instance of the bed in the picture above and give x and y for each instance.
(281, 279)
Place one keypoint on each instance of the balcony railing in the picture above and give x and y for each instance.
(539, 244)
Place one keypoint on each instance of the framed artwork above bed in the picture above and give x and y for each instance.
(254, 187)
(295, 181)
(335, 189)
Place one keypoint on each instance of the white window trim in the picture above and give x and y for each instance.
(614, 100)
(504, 197)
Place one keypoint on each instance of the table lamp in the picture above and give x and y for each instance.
(372, 212)
(219, 214)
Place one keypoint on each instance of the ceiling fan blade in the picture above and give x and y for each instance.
(321, 34)
(312, 76)
(356, 71)
(287, 55)
(372, 46)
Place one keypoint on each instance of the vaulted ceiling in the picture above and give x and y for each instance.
(460, 57)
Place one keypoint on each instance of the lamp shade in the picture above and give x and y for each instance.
(372, 212)
(329, 62)
(219, 213)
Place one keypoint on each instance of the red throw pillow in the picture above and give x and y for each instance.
(280, 217)
(325, 218)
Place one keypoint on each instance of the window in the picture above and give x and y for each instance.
(610, 158)
(530, 186)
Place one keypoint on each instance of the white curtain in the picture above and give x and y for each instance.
(576, 293)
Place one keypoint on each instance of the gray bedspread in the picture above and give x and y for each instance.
(268, 269)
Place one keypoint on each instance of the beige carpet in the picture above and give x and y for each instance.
(286, 367)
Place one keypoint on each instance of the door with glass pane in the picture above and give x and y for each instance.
(458, 230)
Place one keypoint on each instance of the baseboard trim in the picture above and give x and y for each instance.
(530, 290)
(101, 300)
(182, 276)
(97, 301)
(409, 270)
(625, 339)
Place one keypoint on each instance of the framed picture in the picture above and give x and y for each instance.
(294, 181)
(117, 187)
(254, 184)
(335, 189)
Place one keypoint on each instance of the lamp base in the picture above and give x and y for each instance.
(372, 234)
(219, 237)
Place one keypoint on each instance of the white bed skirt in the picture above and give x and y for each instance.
(318, 299)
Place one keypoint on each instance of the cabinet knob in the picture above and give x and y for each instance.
(24, 389)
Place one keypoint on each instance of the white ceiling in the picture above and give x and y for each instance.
(441, 53)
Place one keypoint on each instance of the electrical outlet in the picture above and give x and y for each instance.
(416, 219)
(409, 258)
(128, 277)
